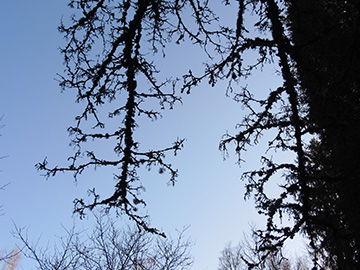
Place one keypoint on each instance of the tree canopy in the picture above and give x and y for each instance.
(314, 45)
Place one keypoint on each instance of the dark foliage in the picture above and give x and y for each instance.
(318, 52)
(319, 96)
(327, 35)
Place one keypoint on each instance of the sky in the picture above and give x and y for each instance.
(208, 195)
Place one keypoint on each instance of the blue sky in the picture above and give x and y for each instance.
(208, 195)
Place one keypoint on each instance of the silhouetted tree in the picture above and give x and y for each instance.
(105, 58)
(110, 247)
(314, 47)
(317, 46)
(328, 37)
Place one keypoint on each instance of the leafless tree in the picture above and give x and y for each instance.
(248, 254)
(109, 247)
(1, 206)
(2, 186)
(10, 261)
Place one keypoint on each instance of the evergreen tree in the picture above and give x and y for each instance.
(327, 38)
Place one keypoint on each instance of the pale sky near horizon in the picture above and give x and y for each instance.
(208, 195)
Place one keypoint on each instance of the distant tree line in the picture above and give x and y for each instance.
(245, 256)
(109, 246)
